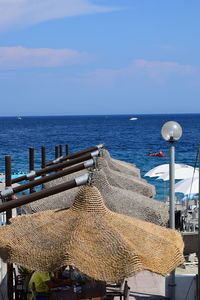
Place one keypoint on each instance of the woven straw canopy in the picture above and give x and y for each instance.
(116, 199)
(125, 181)
(130, 203)
(120, 166)
(100, 243)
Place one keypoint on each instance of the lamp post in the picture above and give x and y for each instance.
(171, 132)
(198, 254)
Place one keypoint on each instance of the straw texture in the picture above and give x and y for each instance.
(62, 200)
(115, 198)
(120, 166)
(130, 203)
(100, 243)
(126, 182)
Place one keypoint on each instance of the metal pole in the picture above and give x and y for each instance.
(172, 210)
(172, 188)
(78, 181)
(75, 155)
(8, 216)
(59, 166)
(198, 254)
(66, 171)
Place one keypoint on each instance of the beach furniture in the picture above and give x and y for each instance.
(121, 290)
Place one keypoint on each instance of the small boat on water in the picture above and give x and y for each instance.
(19, 118)
(133, 119)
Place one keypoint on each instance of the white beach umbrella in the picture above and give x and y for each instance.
(188, 186)
(181, 173)
(2, 186)
(161, 169)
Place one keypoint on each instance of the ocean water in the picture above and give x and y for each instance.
(125, 139)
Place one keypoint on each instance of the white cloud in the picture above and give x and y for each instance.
(147, 72)
(21, 13)
(20, 57)
(160, 71)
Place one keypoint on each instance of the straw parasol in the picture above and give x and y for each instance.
(58, 201)
(98, 242)
(120, 166)
(127, 182)
(115, 198)
(130, 203)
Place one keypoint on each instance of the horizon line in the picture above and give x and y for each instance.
(85, 115)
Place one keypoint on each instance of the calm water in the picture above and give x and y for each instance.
(125, 139)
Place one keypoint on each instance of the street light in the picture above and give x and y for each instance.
(171, 132)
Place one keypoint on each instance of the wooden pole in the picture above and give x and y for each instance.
(43, 150)
(56, 151)
(59, 166)
(77, 154)
(8, 216)
(67, 149)
(60, 150)
(45, 193)
(39, 181)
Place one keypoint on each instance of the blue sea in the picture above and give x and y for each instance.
(125, 139)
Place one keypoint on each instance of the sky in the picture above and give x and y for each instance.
(74, 57)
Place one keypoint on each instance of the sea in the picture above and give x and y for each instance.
(125, 139)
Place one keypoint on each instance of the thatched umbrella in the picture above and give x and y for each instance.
(130, 203)
(116, 199)
(120, 166)
(58, 201)
(123, 181)
(98, 242)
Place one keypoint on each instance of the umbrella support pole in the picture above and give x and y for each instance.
(75, 155)
(198, 254)
(172, 286)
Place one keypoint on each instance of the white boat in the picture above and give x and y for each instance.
(133, 119)
(19, 118)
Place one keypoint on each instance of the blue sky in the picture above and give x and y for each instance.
(62, 57)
